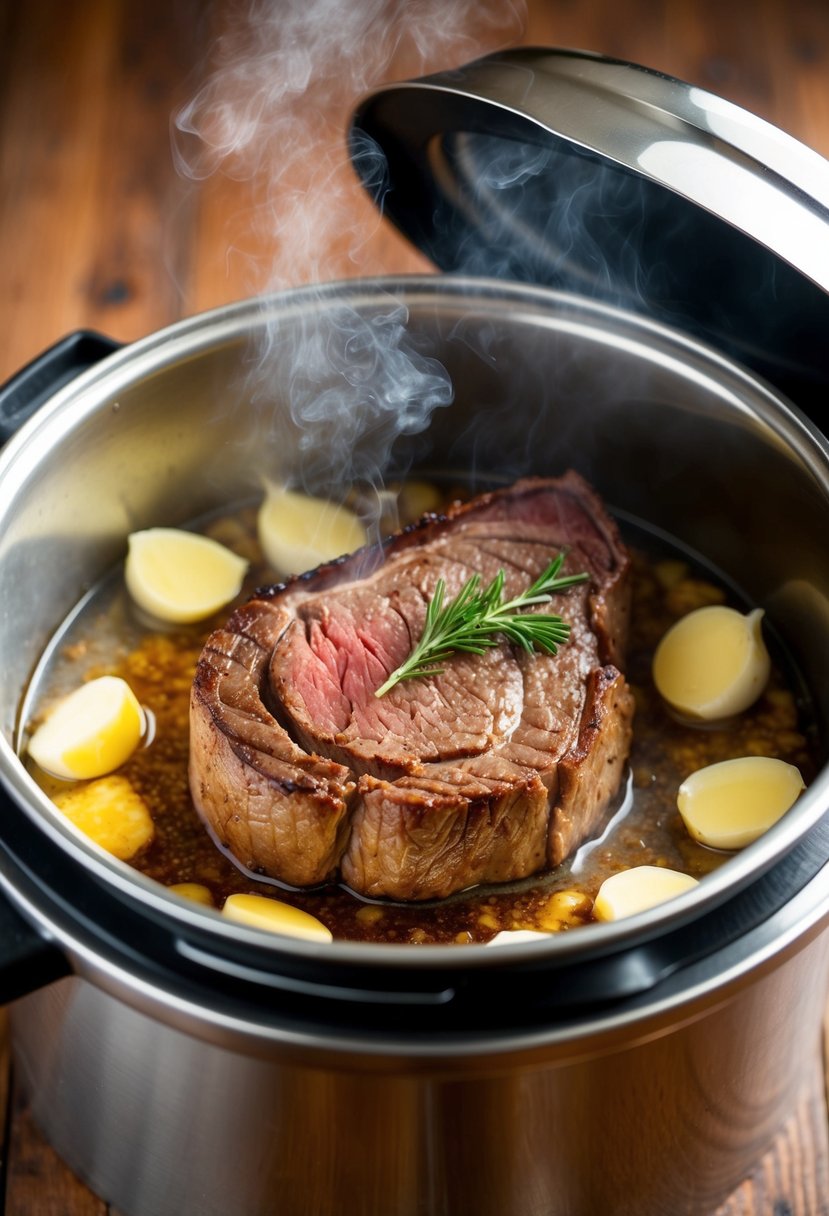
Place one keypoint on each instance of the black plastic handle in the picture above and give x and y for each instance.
(34, 384)
(29, 960)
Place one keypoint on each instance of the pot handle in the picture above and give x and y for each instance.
(28, 960)
(29, 388)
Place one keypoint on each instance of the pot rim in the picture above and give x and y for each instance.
(653, 342)
(684, 997)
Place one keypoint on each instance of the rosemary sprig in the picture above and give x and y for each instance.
(471, 621)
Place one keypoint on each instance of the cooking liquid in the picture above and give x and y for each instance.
(643, 827)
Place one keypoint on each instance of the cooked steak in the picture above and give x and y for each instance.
(493, 770)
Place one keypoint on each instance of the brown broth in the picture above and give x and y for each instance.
(643, 828)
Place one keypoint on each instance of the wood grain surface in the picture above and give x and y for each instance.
(99, 230)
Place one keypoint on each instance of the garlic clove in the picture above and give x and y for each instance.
(637, 889)
(90, 732)
(730, 804)
(298, 532)
(511, 937)
(712, 663)
(179, 576)
(272, 914)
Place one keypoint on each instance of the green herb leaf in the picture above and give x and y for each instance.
(471, 622)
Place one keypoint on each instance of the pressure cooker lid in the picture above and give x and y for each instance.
(619, 183)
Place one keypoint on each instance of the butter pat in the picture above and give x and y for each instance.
(730, 804)
(298, 532)
(275, 916)
(712, 663)
(179, 576)
(91, 732)
(110, 812)
(637, 889)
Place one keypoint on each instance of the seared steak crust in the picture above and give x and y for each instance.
(494, 770)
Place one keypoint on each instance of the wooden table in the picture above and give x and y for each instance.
(98, 230)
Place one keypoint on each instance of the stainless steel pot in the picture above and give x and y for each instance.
(633, 1068)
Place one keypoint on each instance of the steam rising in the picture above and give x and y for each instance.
(272, 113)
(357, 384)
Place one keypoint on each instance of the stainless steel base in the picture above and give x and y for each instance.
(663, 1117)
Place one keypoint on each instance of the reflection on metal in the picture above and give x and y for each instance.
(757, 207)
(608, 179)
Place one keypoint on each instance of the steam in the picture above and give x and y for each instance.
(357, 384)
(272, 113)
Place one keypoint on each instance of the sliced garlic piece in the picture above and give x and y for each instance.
(637, 889)
(264, 913)
(180, 576)
(110, 812)
(91, 732)
(298, 532)
(197, 892)
(510, 937)
(712, 663)
(730, 804)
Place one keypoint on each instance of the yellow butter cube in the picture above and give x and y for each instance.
(110, 812)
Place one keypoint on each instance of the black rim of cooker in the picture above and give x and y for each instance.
(286, 989)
